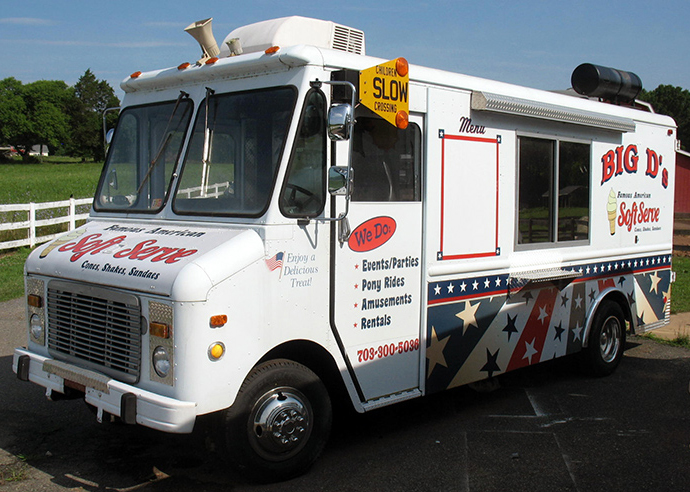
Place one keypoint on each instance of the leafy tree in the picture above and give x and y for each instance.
(93, 96)
(675, 102)
(34, 114)
(13, 120)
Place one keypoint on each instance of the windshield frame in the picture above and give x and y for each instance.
(184, 108)
(201, 115)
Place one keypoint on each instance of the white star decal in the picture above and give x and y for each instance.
(467, 315)
(498, 282)
(577, 331)
(542, 314)
(450, 288)
(487, 283)
(475, 285)
(655, 283)
(529, 350)
(435, 351)
(463, 286)
(437, 290)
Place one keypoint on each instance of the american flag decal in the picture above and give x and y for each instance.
(275, 261)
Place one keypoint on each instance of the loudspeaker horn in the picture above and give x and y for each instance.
(203, 33)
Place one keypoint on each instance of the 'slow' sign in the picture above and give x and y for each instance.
(384, 89)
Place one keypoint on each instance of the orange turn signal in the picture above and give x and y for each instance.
(219, 320)
(184, 65)
(211, 61)
(136, 74)
(160, 330)
(271, 50)
(34, 301)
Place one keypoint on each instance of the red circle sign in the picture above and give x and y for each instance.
(372, 234)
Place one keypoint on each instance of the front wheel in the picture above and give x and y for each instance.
(606, 341)
(280, 421)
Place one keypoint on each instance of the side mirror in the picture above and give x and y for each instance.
(340, 122)
(109, 136)
(337, 180)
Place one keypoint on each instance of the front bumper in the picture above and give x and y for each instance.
(107, 395)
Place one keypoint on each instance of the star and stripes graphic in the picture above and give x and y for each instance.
(275, 262)
(478, 328)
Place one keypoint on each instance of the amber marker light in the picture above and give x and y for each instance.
(271, 50)
(216, 351)
(34, 301)
(402, 67)
(160, 330)
(136, 74)
(401, 120)
(184, 65)
(218, 320)
(211, 61)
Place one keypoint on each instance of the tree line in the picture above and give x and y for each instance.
(69, 119)
(49, 112)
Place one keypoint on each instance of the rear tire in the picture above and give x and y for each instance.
(279, 423)
(606, 341)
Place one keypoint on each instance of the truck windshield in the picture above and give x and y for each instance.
(234, 152)
(145, 149)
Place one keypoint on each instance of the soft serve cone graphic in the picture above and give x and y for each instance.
(60, 241)
(611, 207)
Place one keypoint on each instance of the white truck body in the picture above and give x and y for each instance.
(461, 268)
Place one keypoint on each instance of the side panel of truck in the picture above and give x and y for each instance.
(485, 314)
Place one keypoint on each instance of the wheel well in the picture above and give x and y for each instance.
(316, 358)
(619, 298)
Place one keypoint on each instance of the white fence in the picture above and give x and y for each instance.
(32, 224)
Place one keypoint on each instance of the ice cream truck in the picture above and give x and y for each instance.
(288, 223)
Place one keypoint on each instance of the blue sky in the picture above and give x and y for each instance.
(529, 42)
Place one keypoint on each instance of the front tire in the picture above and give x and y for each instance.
(606, 341)
(280, 421)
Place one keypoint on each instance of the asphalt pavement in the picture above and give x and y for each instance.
(546, 428)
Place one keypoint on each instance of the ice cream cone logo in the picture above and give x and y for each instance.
(611, 207)
(60, 241)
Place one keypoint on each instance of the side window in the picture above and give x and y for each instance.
(386, 162)
(544, 214)
(304, 189)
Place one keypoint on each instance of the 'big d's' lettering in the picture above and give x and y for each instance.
(653, 163)
(616, 162)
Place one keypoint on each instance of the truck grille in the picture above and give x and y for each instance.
(96, 328)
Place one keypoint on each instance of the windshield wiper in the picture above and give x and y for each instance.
(164, 142)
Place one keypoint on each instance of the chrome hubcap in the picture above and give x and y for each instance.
(610, 339)
(281, 424)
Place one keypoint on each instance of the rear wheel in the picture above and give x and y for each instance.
(280, 421)
(606, 340)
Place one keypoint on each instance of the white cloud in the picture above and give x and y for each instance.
(27, 21)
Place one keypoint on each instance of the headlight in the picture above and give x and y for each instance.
(36, 327)
(161, 362)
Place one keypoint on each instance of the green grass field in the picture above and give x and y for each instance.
(47, 182)
(56, 179)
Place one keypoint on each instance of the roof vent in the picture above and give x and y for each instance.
(291, 31)
(348, 39)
